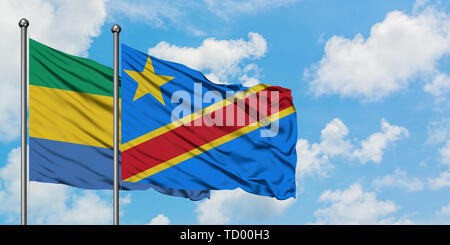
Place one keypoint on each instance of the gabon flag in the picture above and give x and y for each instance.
(71, 123)
(179, 130)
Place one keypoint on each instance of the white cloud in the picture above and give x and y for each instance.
(444, 211)
(445, 153)
(316, 158)
(249, 75)
(439, 131)
(372, 148)
(85, 208)
(443, 180)
(354, 206)
(66, 25)
(419, 5)
(385, 62)
(228, 8)
(400, 180)
(332, 138)
(440, 182)
(10, 184)
(311, 160)
(160, 219)
(439, 86)
(51, 203)
(228, 206)
(220, 60)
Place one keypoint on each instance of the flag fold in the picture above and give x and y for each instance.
(179, 130)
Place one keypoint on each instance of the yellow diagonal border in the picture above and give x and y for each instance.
(86, 119)
(208, 146)
(175, 124)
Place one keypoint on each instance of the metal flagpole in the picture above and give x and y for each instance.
(116, 30)
(23, 23)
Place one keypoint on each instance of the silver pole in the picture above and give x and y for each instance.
(116, 30)
(23, 23)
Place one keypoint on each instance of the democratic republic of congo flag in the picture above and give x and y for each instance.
(71, 123)
(179, 130)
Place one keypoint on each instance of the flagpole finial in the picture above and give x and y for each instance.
(115, 28)
(24, 23)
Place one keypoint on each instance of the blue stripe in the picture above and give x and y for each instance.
(260, 165)
(86, 167)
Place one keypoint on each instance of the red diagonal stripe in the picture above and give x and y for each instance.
(185, 138)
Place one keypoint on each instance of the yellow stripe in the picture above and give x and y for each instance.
(83, 118)
(192, 117)
(69, 116)
(208, 146)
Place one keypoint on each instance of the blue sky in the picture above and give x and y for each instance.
(370, 81)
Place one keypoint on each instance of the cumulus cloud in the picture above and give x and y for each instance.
(316, 158)
(222, 61)
(160, 219)
(439, 86)
(50, 203)
(353, 206)
(442, 181)
(332, 138)
(387, 60)
(228, 206)
(400, 180)
(228, 8)
(372, 148)
(66, 25)
(311, 160)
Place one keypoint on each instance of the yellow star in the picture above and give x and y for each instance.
(149, 82)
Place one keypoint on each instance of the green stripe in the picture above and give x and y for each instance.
(55, 69)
